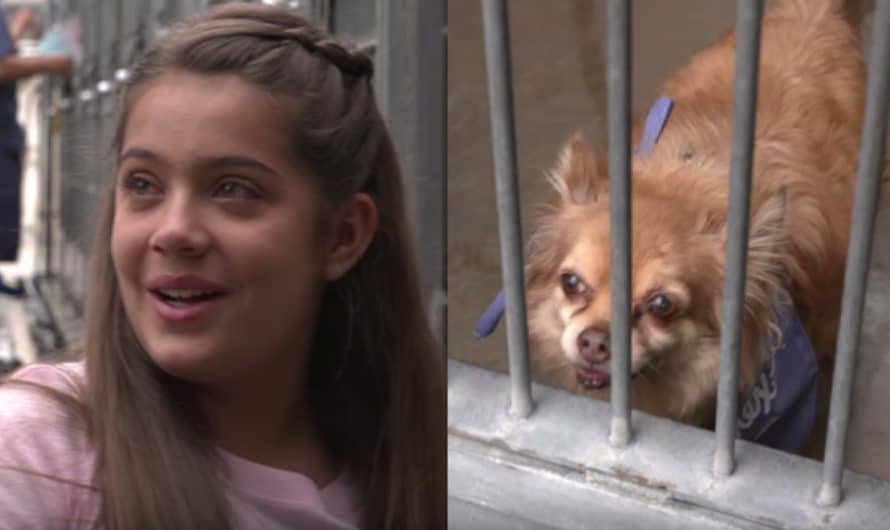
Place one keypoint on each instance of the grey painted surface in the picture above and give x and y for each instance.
(497, 493)
(409, 74)
(562, 446)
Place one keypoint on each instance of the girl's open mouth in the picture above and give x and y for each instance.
(184, 297)
(184, 305)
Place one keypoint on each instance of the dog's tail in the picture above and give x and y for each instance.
(812, 11)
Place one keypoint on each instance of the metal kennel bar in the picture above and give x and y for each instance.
(749, 14)
(500, 94)
(868, 182)
(619, 85)
(410, 86)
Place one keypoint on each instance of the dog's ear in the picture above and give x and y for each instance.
(767, 265)
(766, 278)
(578, 176)
(768, 235)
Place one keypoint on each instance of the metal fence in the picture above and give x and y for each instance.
(80, 115)
(554, 468)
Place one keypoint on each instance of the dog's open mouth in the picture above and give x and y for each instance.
(591, 377)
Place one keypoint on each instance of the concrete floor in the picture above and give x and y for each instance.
(559, 88)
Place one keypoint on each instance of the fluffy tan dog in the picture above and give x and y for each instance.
(809, 114)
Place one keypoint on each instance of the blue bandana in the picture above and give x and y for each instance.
(781, 404)
(779, 408)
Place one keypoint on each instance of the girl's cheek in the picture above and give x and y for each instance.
(129, 241)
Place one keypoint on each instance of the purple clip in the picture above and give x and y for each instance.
(655, 122)
(489, 320)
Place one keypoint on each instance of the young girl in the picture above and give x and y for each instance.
(256, 351)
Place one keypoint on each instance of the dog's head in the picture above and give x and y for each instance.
(677, 259)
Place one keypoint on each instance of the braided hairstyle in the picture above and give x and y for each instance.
(376, 381)
(246, 19)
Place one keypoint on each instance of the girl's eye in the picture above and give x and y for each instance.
(137, 184)
(235, 189)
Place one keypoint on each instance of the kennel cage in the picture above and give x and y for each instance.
(564, 461)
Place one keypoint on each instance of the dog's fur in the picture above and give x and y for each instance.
(808, 125)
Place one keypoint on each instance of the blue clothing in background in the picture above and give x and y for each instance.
(12, 142)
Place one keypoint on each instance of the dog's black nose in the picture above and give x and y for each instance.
(593, 344)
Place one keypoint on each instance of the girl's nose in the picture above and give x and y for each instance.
(181, 230)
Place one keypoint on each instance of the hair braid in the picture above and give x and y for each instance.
(346, 57)
(349, 61)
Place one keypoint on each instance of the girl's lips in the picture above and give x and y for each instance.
(184, 281)
(185, 313)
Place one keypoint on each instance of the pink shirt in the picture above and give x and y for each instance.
(34, 436)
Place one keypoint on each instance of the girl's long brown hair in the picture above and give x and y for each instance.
(377, 384)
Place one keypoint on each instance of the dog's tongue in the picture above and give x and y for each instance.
(591, 377)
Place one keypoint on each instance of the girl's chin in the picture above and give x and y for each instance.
(194, 365)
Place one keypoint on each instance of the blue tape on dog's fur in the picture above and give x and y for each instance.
(655, 122)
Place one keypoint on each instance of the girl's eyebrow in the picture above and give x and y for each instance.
(234, 160)
(203, 162)
(138, 152)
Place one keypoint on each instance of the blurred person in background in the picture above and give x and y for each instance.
(14, 67)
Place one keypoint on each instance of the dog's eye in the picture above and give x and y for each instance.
(572, 284)
(661, 306)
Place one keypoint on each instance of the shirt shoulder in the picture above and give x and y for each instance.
(46, 463)
(27, 396)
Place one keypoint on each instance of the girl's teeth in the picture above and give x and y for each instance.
(185, 293)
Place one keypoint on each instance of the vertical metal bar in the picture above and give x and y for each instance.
(619, 85)
(871, 157)
(50, 117)
(410, 89)
(500, 95)
(383, 57)
(744, 110)
(430, 193)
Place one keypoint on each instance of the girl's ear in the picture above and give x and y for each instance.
(352, 230)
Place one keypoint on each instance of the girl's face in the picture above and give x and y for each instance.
(215, 234)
